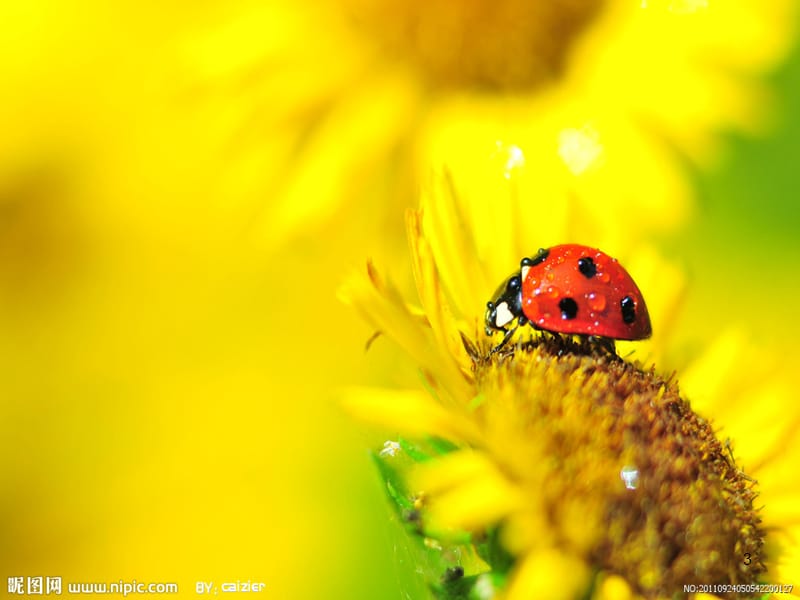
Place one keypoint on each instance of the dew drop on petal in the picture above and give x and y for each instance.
(390, 448)
(630, 476)
(580, 149)
(511, 157)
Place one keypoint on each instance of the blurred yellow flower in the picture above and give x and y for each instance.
(338, 105)
(552, 469)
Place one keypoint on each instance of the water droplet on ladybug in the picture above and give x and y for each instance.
(597, 301)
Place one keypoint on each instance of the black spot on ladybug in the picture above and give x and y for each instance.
(568, 307)
(540, 257)
(587, 267)
(628, 307)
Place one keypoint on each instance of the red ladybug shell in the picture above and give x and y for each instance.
(576, 289)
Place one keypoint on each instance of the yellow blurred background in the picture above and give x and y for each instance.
(168, 376)
(170, 339)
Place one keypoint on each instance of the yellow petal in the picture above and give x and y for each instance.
(549, 574)
(411, 412)
(468, 490)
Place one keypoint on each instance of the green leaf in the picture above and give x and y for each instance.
(493, 553)
(395, 484)
(440, 557)
(414, 451)
(442, 446)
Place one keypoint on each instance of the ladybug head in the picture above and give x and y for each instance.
(506, 305)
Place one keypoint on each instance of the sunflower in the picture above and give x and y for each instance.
(339, 104)
(551, 468)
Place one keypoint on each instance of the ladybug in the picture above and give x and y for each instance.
(570, 289)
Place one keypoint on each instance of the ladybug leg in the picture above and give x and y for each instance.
(504, 341)
(562, 342)
(605, 344)
(521, 320)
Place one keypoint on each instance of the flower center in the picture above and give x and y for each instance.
(661, 500)
(506, 45)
